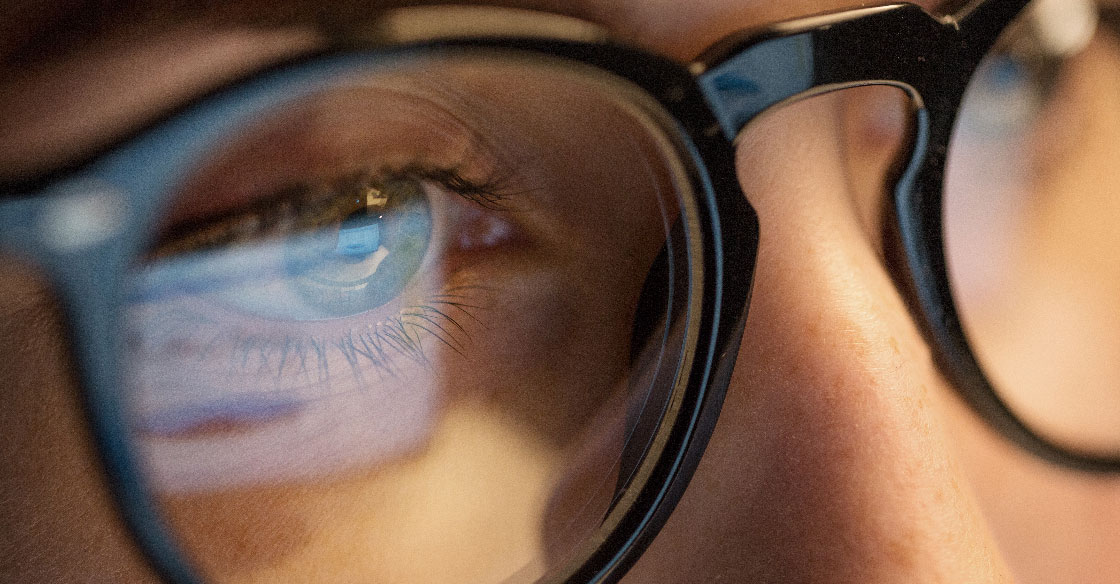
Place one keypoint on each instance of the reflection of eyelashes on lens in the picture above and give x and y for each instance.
(278, 363)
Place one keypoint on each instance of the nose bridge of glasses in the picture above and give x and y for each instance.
(754, 71)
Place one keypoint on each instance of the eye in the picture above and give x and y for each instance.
(409, 290)
(309, 253)
(307, 263)
(1030, 209)
(1006, 95)
(362, 250)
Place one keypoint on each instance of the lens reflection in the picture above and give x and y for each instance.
(1030, 213)
(413, 327)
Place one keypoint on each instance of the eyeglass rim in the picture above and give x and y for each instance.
(87, 284)
(932, 60)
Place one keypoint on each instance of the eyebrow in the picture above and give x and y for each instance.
(45, 60)
(59, 29)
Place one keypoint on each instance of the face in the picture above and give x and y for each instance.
(842, 453)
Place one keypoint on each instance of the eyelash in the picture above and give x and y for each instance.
(377, 345)
(266, 213)
(490, 193)
(403, 334)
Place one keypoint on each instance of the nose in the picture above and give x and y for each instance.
(830, 459)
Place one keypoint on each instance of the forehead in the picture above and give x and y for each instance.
(47, 28)
(74, 74)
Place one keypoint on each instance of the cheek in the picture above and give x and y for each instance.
(59, 521)
(549, 347)
(1051, 524)
(516, 467)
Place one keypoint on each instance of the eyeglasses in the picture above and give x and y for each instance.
(479, 292)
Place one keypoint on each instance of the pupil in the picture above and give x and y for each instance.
(360, 232)
(361, 249)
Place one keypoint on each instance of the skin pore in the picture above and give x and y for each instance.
(841, 455)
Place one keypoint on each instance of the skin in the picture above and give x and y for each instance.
(1070, 183)
(841, 455)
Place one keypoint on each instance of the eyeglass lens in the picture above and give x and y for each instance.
(415, 326)
(1032, 203)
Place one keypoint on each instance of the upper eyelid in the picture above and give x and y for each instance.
(489, 193)
(482, 165)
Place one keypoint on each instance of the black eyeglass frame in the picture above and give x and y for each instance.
(932, 60)
(711, 100)
(88, 281)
